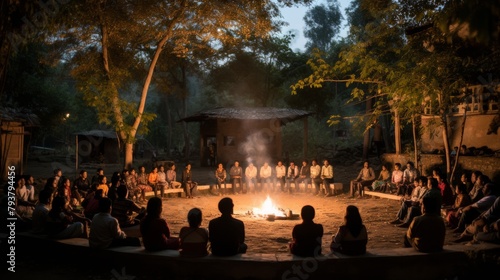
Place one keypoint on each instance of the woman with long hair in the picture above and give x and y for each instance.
(351, 237)
(154, 229)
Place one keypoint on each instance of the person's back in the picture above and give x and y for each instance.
(193, 240)
(427, 232)
(351, 237)
(307, 236)
(154, 229)
(123, 208)
(41, 212)
(226, 234)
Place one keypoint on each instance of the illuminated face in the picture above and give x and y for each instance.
(236, 163)
(84, 175)
(162, 168)
(219, 166)
(365, 165)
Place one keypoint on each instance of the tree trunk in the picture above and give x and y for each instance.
(397, 132)
(366, 139)
(457, 156)
(415, 148)
(129, 155)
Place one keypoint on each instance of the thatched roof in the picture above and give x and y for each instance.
(285, 115)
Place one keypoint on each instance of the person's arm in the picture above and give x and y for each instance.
(372, 174)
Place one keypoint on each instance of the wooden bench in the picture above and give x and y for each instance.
(383, 195)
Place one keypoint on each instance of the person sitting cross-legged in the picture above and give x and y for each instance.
(307, 235)
(427, 232)
(123, 209)
(365, 178)
(105, 231)
(227, 234)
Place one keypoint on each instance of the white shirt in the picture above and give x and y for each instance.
(251, 171)
(266, 172)
(103, 230)
(280, 171)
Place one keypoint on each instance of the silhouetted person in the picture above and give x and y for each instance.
(227, 234)
(351, 237)
(307, 236)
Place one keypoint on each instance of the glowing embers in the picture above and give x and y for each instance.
(271, 212)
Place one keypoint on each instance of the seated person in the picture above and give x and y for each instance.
(227, 234)
(154, 229)
(474, 210)
(462, 199)
(123, 209)
(307, 236)
(193, 240)
(251, 177)
(291, 175)
(187, 181)
(417, 194)
(172, 178)
(427, 232)
(105, 231)
(351, 237)
(365, 178)
(382, 181)
(25, 198)
(396, 177)
(41, 212)
(91, 203)
(484, 227)
(61, 223)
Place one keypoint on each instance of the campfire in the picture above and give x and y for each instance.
(271, 212)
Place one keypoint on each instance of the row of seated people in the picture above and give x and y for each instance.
(267, 178)
(398, 181)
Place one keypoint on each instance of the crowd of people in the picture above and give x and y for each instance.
(100, 210)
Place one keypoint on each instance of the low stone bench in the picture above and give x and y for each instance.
(455, 262)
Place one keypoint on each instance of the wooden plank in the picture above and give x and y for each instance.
(383, 195)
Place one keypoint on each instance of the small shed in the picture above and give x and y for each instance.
(99, 146)
(15, 126)
(244, 134)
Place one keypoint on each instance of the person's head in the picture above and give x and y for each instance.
(194, 217)
(352, 217)
(430, 205)
(384, 167)
(132, 171)
(29, 180)
(314, 162)
(304, 162)
(432, 183)
(58, 172)
(154, 207)
(172, 167)
(44, 196)
(155, 169)
(410, 165)
(122, 191)
(280, 163)
(292, 163)
(464, 178)
(250, 164)
(220, 166)
(100, 171)
(83, 174)
(19, 180)
(188, 166)
(236, 163)
(366, 164)
(483, 179)
(102, 179)
(325, 162)
(226, 206)
(488, 188)
(142, 169)
(422, 181)
(58, 204)
(397, 166)
(475, 175)
(460, 188)
(162, 168)
(66, 182)
(307, 213)
(104, 205)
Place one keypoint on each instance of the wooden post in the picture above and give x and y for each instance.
(306, 133)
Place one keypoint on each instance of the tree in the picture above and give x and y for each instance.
(115, 41)
(399, 52)
(322, 25)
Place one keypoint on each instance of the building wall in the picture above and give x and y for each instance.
(11, 147)
(244, 140)
(475, 133)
